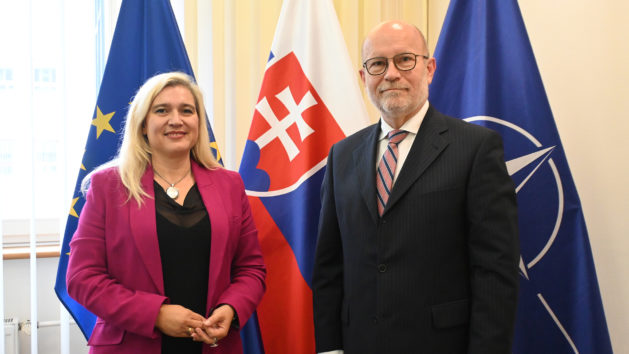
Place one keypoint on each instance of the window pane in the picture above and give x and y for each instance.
(47, 91)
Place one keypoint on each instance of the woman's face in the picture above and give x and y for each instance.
(172, 123)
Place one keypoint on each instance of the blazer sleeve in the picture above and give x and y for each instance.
(493, 248)
(247, 268)
(88, 279)
(327, 279)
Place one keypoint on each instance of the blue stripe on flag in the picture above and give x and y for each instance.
(297, 216)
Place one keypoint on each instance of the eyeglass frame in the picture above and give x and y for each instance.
(386, 66)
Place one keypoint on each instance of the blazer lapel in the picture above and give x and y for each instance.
(144, 230)
(428, 144)
(365, 162)
(216, 209)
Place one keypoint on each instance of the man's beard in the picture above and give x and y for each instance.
(395, 103)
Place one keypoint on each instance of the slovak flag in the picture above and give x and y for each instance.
(308, 101)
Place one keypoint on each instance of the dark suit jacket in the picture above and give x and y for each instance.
(438, 272)
(115, 268)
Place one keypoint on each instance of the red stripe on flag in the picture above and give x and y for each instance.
(285, 312)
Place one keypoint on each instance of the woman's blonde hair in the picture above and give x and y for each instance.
(135, 152)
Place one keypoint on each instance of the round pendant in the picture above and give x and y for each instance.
(172, 192)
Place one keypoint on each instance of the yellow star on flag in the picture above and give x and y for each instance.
(214, 146)
(72, 211)
(101, 122)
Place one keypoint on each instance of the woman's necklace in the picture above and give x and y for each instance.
(172, 191)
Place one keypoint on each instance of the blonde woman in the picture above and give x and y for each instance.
(166, 253)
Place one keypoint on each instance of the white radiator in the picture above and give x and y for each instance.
(10, 335)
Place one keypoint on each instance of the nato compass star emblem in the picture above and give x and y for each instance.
(540, 194)
(536, 162)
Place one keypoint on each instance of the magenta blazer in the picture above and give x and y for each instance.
(115, 268)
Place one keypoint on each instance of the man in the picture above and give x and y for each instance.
(418, 244)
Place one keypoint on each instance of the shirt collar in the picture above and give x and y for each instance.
(412, 125)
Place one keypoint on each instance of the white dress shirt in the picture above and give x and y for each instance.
(412, 127)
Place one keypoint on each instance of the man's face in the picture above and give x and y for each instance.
(398, 95)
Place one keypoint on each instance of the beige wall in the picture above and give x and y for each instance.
(583, 56)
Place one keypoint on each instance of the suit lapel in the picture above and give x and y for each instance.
(428, 144)
(144, 230)
(217, 210)
(365, 162)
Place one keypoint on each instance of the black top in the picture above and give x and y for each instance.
(184, 234)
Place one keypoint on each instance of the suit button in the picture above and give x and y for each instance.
(382, 268)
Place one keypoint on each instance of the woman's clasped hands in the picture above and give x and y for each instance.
(178, 321)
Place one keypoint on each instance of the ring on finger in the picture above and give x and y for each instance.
(215, 344)
(190, 331)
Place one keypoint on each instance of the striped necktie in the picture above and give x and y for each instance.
(386, 168)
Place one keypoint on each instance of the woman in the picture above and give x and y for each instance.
(166, 251)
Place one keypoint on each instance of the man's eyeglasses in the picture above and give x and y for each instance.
(402, 61)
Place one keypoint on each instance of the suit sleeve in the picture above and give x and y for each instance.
(88, 278)
(494, 250)
(247, 268)
(327, 280)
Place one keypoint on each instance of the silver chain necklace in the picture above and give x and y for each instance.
(172, 191)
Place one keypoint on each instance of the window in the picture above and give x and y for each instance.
(50, 69)
(47, 94)
(6, 157)
(44, 78)
(6, 79)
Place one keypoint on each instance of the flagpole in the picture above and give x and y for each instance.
(32, 227)
(64, 316)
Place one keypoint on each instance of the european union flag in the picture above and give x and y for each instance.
(487, 74)
(146, 42)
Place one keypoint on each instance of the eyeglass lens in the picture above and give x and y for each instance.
(378, 65)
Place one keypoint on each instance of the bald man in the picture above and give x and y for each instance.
(417, 249)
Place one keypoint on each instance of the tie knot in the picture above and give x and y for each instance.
(396, 135)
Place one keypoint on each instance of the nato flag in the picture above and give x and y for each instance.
(487, 74)
(146, 42)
